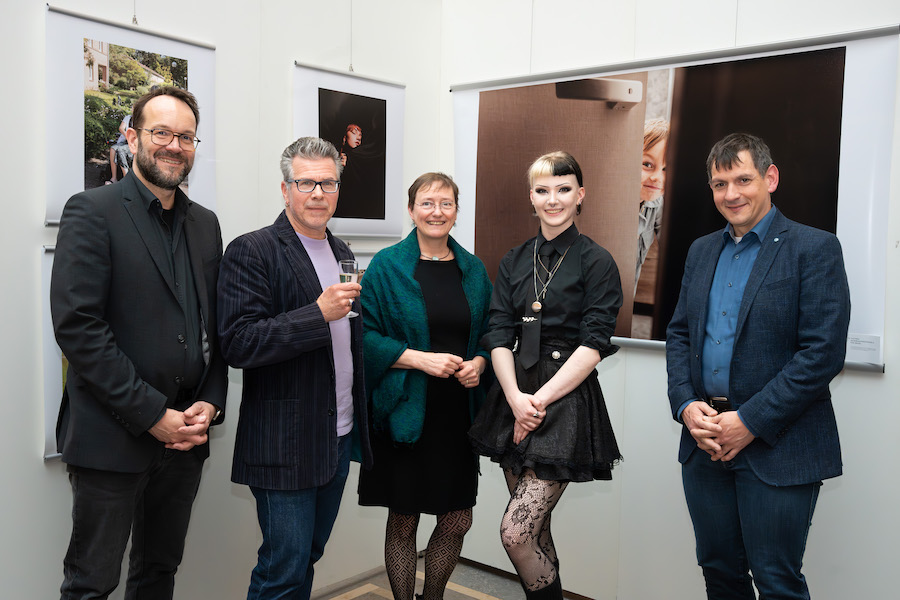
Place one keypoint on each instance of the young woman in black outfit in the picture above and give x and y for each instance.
(552, 313)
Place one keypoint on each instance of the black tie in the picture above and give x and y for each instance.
(531, 323)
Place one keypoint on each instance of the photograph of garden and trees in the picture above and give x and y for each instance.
(114, 77)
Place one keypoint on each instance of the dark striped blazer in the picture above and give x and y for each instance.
(272, 328)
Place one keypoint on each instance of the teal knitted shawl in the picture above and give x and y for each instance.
(394, 319)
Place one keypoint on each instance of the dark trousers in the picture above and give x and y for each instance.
(153, 506)
(745, 526)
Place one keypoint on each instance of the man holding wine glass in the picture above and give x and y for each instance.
(282, 315)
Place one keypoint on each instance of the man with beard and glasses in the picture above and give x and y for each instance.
(132, 297)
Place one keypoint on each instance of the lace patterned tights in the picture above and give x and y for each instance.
(441, 555)
(525, 528)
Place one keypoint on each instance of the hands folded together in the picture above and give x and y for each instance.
(722, 436)
(529, 413)
(442, 364)
(184, 430)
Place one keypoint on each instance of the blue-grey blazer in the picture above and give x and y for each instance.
(790, 343)
(272, 328)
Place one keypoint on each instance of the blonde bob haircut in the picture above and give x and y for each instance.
(556, 164)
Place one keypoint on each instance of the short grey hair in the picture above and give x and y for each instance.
(309, 148)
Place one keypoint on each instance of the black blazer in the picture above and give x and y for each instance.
(271, 327)
(116, 319)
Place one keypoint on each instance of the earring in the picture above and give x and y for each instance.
(578, 209)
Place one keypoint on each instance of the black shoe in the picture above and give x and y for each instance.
(551, 592)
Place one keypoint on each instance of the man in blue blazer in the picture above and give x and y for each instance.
(758, 333)
(283, 319)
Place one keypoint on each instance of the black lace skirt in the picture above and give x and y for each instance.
(574, 443)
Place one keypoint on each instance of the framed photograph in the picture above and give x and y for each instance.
(363, 118)
(114, 78)
(95, 71)
(55, 363)
(825, 107)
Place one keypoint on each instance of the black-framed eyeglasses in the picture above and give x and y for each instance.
(305, 186)
(163, 137)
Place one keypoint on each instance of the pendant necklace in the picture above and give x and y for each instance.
(536, 306)
(435, 258)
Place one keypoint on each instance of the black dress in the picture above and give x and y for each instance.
(439, 473)
(575, 442)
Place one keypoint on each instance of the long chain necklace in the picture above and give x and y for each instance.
(536, 306)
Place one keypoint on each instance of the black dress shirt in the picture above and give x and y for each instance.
(581, 303)
(170, 228)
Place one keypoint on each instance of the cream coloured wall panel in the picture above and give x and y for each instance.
(763, 21)
(686, 27)
(569, 34)
(485, 40)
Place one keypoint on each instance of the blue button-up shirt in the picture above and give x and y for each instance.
(732, 273)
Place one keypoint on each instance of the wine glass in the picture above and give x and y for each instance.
(349, 274)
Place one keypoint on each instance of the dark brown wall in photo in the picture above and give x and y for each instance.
(792, 101)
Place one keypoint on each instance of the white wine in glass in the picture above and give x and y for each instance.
(349, 274)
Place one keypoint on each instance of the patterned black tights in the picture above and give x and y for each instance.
(525, 528)
(441, 555)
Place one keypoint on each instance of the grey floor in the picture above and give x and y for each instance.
(467, 582)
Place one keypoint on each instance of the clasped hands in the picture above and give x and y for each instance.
(443, 364)
(183, 430)
(722, 436)
(529, 413)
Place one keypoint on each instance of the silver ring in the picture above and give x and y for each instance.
(536, 415)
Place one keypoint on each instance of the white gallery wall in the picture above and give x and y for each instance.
(629, 539)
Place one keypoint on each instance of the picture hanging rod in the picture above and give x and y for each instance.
(660, 345)
(349, 74)
(668, 61)
(168, 36)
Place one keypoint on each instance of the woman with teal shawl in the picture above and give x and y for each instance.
(425, 305)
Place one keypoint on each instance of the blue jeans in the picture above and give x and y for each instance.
(154, 507)
(744, 526)
(295, 526)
